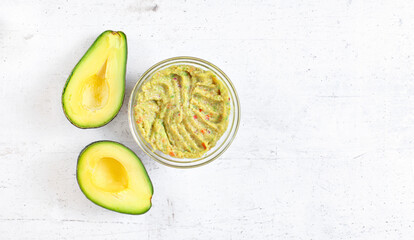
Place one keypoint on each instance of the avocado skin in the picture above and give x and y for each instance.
(140, 162)
(71, 73)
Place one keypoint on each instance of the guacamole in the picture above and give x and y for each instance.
(182, 111)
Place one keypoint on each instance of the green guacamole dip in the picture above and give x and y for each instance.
(182, 111)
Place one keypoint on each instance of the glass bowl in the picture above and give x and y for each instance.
(225, 140)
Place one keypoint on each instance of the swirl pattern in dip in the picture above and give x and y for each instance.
(182, 111)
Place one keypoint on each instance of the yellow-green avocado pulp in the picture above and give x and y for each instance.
(182, 111)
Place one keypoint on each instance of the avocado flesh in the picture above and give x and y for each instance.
(94, 92)
(113, 177)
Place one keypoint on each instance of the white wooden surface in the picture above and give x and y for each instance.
(324, 150)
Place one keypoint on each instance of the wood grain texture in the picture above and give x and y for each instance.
(324, 150)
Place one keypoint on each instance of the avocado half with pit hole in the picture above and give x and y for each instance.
(94, 91)
(112, 176)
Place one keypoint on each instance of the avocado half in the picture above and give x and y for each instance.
(112, 176)
(94, 91)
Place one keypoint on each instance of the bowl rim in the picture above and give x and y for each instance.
(237, 114)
